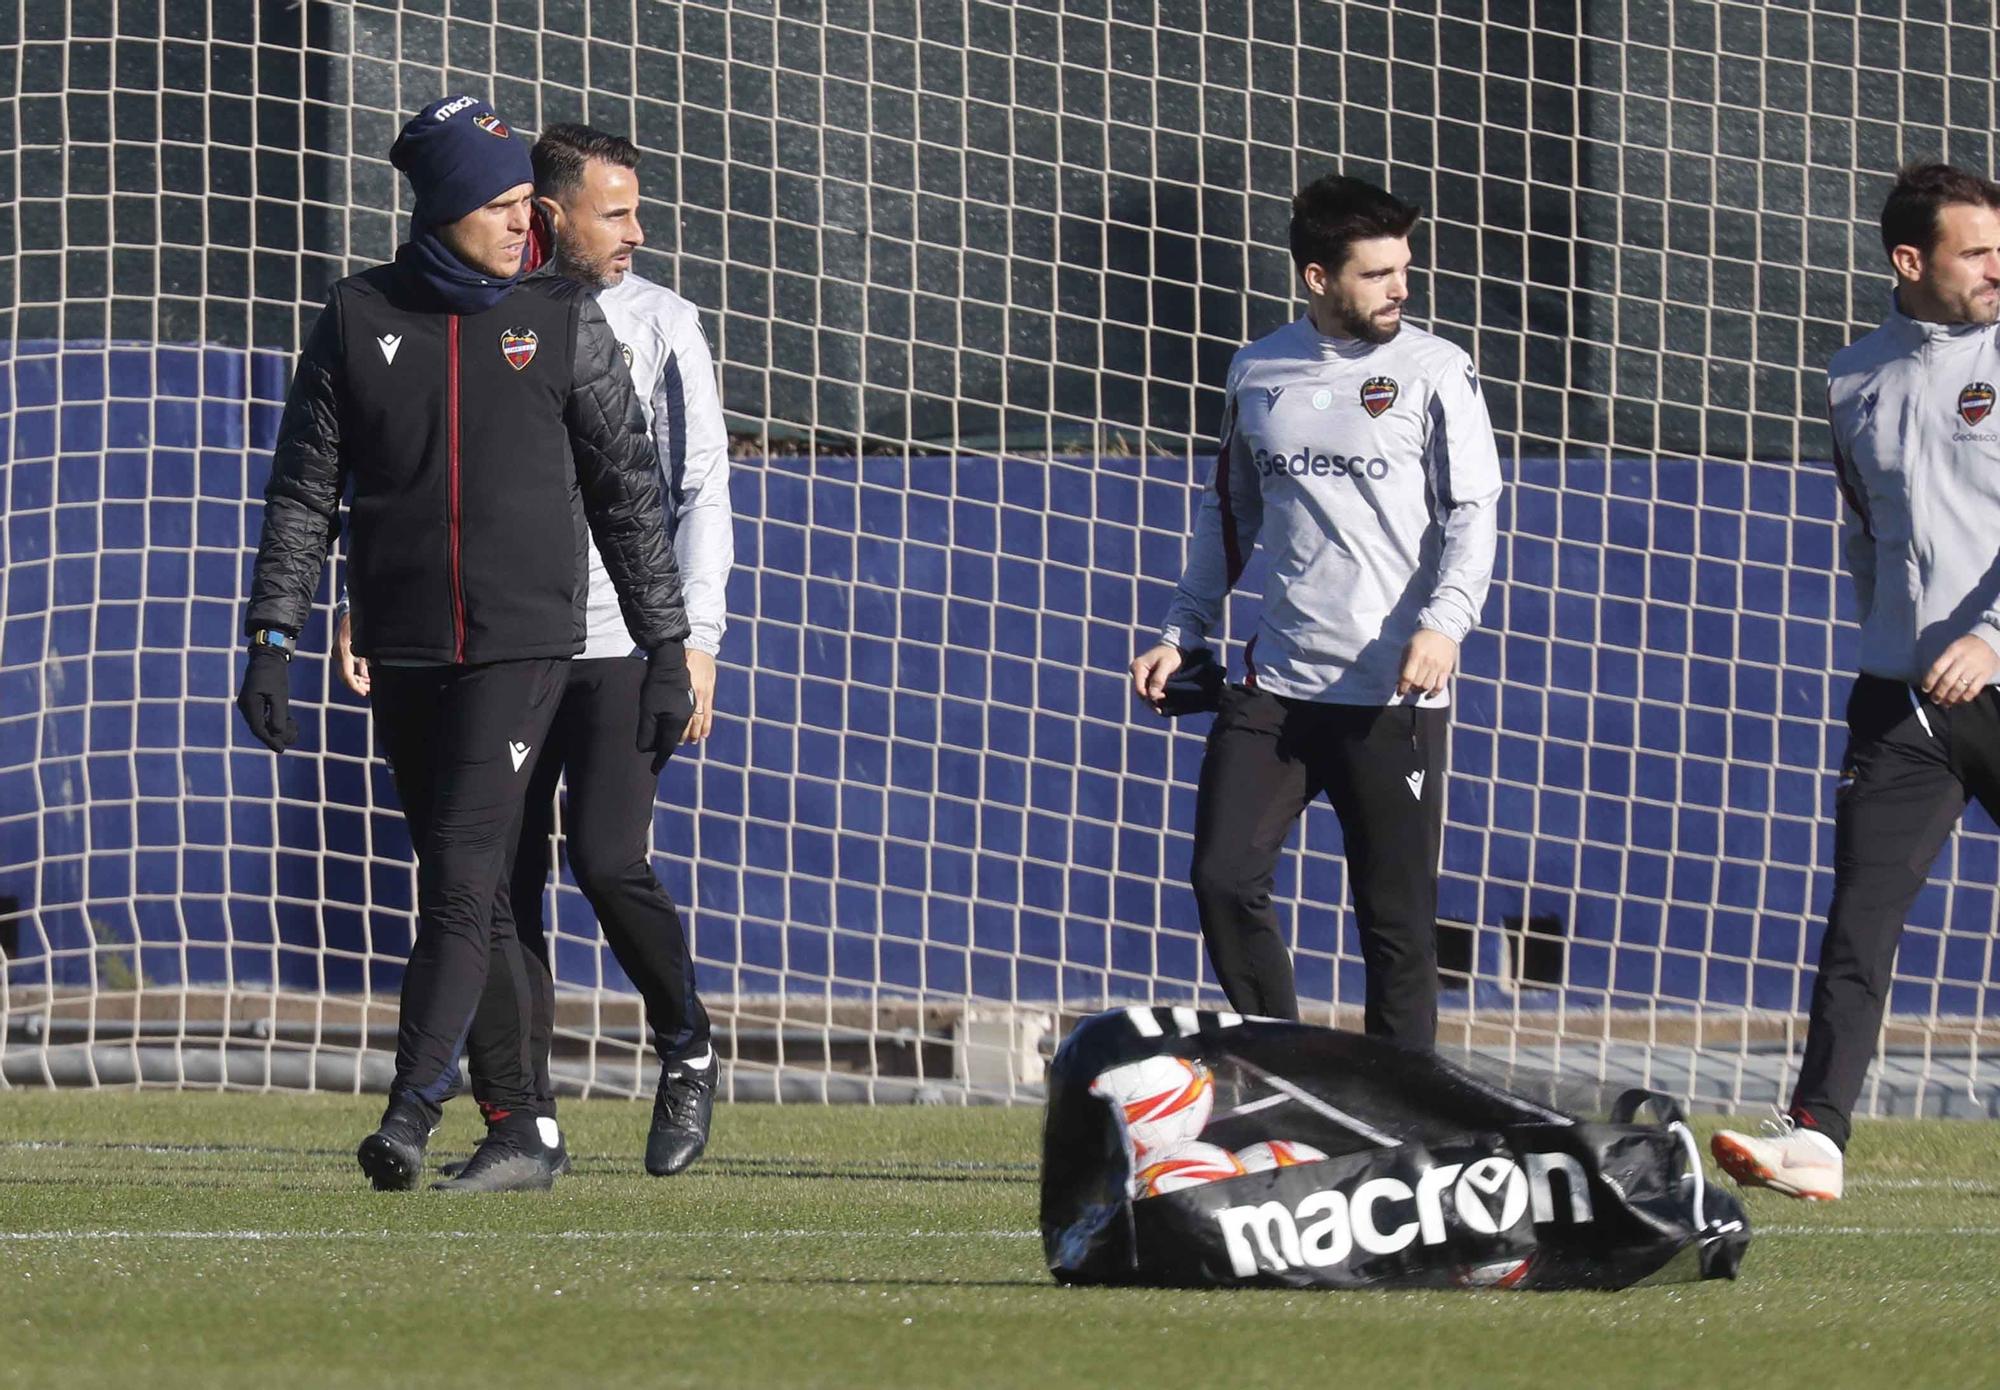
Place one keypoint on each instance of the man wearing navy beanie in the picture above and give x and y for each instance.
(474, 184)
(459, 155)
(472, 412)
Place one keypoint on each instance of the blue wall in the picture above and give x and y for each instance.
(941, 782)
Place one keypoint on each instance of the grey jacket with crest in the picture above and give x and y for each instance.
(1916, 439)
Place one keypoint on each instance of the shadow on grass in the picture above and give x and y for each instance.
(734, 1165)
(738, 1167)
(110, 1165)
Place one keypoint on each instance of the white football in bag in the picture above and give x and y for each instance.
(1189, 1166)
(1277, 1153)
(1165, 1101)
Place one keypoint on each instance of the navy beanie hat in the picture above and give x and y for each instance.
(459, 156)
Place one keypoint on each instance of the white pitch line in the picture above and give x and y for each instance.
(171, 1150)
(1924, 1185)
(892, 1169)
(1904, 1232)
(85, 1236)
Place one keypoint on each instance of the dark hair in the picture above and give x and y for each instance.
(1910, 217)
(1334, 210)
(563, 151)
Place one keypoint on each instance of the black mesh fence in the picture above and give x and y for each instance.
(932, 223)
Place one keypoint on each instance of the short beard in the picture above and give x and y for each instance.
(592, 276)
(1351, 323)
(1971, 310)
(1926, 301)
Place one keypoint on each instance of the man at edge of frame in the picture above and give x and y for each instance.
(1916, 448)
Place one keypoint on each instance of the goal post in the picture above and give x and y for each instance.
(972, 273)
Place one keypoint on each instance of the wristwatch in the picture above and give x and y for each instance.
(273, 640)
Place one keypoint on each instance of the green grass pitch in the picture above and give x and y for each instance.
(163, 1239)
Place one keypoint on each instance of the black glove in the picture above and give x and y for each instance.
(666, 703)
(266, 699)
(1195, 687)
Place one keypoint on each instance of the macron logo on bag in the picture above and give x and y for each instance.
(389, 342)
(452, 108)
(1382, 1215)
(519, 753)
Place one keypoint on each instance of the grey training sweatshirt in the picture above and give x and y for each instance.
(1916, 441)
(1369, 475)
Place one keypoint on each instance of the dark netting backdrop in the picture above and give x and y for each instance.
(973, 274)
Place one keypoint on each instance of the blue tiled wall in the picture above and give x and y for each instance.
(929, 774)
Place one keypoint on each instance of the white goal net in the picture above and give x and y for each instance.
(972, 273)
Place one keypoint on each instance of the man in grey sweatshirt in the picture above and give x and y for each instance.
(1916, 446)
(1358, 452)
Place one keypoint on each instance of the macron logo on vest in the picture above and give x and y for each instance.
(452, 108)
(389, 342)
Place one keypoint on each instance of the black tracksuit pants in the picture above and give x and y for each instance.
(459, 740)
(1909, 769)
(1383, 769)
(607, 825)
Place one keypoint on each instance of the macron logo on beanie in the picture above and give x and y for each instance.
(459, 156)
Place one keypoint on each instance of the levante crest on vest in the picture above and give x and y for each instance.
(1975, 402)
(518, 345)
(491, 124)
(1378, 393)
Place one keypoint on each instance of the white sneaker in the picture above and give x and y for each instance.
(1786, 1158)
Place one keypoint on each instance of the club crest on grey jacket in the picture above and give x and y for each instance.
(481, 449)
(1368, 474)
(1917, 452)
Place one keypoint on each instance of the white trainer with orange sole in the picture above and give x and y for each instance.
(1787, 1158)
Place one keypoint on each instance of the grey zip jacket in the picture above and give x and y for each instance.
(1916, 443)
(1369, 475)
(660, 335)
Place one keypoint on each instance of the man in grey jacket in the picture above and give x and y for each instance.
(1358, 452)
(1917, 449)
